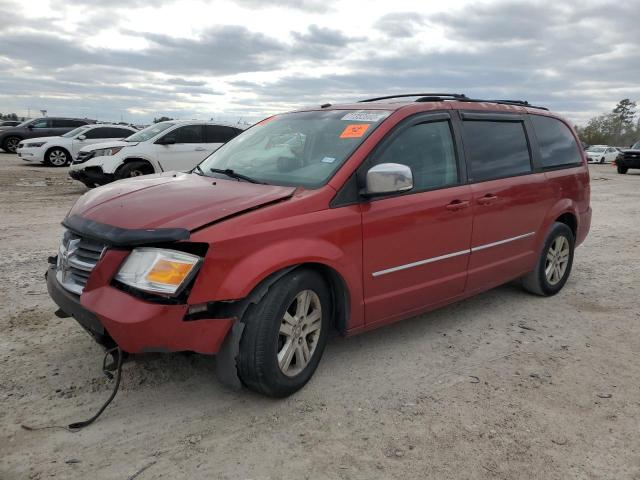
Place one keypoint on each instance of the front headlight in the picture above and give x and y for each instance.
(158, 270)
(34, 144)
(106, 152)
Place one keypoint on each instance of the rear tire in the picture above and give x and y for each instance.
(10, 144)
(622, 170)
(134, 169)
(285, 334)
(57, 157)
(554, 264)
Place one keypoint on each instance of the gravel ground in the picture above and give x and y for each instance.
(503, 385)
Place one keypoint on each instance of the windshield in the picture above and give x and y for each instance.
(295, 149)
(596, 149)
(636, 146)
(76, 131)
(149, 132)
(25, 123)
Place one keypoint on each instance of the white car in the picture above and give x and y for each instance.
(601, 153)
(171, 145)
(60, 151)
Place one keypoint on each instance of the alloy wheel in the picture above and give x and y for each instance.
(57, 158)
(299, 333)
(12, 144)
(557, 260)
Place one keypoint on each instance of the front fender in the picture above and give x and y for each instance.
(217, 283)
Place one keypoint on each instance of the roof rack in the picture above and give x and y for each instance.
(460, 97)
(442, 96)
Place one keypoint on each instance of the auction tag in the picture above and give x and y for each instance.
(328, 160)
(366, 116)
(354, 131)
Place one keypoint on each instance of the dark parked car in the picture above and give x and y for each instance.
(39, 127)
(629, 158)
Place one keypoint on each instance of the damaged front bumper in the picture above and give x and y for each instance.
(135, 325)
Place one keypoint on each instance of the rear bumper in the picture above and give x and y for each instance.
(91, 176)
(136, 325)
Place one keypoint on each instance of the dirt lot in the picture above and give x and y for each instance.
(504, 385)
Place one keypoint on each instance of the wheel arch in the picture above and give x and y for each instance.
(128, 160)
(570, 219)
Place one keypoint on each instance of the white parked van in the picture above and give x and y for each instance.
(171, 145)
(62, 150)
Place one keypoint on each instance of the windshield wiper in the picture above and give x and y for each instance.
(199, 170)
(230, 173)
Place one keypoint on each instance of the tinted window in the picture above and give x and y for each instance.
(66, 123)
(187, 134)
(100, 132)
(119, 132)
(557, 144)
(219, 134)
(428, 150)
(496, 149)
(43, 123)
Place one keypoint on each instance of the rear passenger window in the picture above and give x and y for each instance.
(100, 132)
(119, 133)
(188, 134)
(426, 148)
(67, 123)
(496, 149)
(558, 146)
(219, 133)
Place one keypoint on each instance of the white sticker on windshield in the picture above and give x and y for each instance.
(366, 116)
(328, 160)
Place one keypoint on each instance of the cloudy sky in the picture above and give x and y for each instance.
(136, 59)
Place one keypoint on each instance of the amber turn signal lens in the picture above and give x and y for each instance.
(169, 272)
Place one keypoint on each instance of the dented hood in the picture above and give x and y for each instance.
(173, 200)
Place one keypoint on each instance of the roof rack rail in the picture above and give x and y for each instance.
(442, 96)
(460, 97)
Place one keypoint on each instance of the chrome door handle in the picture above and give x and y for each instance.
(200, 149)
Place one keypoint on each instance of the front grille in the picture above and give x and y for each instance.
(77, 257)
(632, 156)
(84, 156)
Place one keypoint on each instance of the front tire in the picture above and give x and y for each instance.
(10, 144)
(134, 169)
(57, 157)
(622, 170)
(602, 160)
(554, 264)
(285, 334)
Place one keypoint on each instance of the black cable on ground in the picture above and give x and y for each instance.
(117, 355)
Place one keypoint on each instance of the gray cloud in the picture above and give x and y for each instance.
(318, 6)
(578, 58)
(400, 24)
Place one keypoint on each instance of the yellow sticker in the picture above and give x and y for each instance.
(354, 131)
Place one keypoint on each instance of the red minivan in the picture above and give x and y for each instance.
(343, 217)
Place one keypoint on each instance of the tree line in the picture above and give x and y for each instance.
(11, 116)
(618, 128)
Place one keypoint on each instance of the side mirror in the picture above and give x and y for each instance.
(82, 137)
(30, 127)
(387, 178)
(168, 140)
